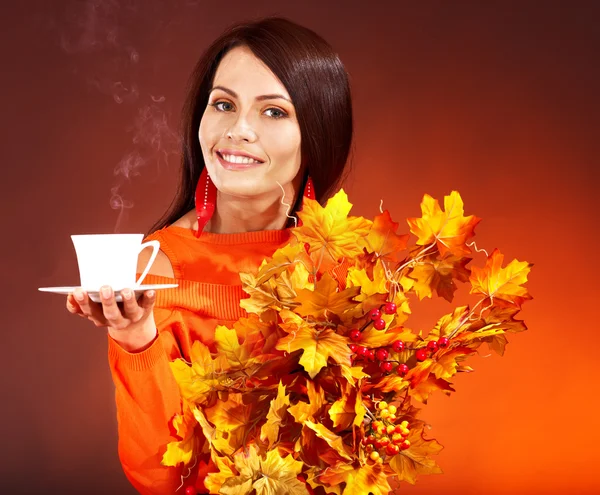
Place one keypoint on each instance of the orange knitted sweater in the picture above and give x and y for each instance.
(147, 396)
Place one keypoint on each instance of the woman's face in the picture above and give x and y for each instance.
(249, 132)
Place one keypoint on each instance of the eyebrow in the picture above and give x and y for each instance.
(258, 98)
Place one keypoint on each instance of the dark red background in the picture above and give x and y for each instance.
(498, 100)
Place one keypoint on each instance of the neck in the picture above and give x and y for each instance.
(234, 214)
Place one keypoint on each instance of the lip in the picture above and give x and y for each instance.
(225, 151)
(236, 166)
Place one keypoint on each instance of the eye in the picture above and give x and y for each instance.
(278, 113)
(218, 106)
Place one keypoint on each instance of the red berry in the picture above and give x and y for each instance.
(374, 314)
(353, 347)
(398, 346)
(386, 366)
(371, 355)
(377, 444)
(190, 490)
(355, 335)
(379, 324)
(443, 341)
(432, 346)
(362, 350)
(371, 439)
(392, 449)
(389, 308)
(421, 354)
(402, 369)
(381, 354)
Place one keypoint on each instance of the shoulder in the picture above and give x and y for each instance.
(162, 264)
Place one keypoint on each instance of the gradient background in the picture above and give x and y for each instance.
(498, 100)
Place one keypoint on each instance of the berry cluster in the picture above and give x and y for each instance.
(382, 354)
(385, 437)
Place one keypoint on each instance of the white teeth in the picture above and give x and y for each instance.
(238, 159)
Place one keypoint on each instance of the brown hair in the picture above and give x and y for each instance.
(318, 85)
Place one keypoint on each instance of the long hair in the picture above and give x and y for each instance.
(317, 83)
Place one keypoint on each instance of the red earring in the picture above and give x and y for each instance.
(205, 199)
(309, 190)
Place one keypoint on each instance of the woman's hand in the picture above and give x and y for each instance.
(131, 323)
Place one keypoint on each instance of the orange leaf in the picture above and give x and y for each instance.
(326, 298)
(359, 480)
(383, 240)
(501, 284)
(439, 275)
(449, 229)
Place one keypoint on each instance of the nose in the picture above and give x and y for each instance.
(241, 130)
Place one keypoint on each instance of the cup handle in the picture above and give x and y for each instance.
(155, 247)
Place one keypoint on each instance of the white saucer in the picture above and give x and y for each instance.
(95, 294)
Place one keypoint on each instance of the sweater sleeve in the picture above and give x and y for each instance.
(147, 396)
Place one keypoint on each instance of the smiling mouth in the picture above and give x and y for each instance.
(236, 162)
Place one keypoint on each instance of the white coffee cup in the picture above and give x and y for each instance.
(111, 259)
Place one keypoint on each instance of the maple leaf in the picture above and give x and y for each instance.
(359, 480)
(439, 275)
(276, 293)
(302, 411)
(325, 298)
(449, 229)
(451, 323)
(230, 419)
(226, 470)
(373, 338)
(506, 317)
(317, 346)
(383, 239)
(348, 409)
(275, 416)
(501, 284)
(272, 475)
(360, 278)
(329, 231)
(204, 377)
(415, 460)
(423, 389)
(333, 440)
(183, 450)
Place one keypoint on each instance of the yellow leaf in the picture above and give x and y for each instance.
(277, 411)
(501, 284)
(214, 481)
(278, 476)
(182, 451)
(329, 232)
(368, 287)
(359, 480)
(449, 229)
(317, 346)
(415, 460)
(373, 338)
(273, 475)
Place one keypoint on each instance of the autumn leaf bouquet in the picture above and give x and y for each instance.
(312, 392)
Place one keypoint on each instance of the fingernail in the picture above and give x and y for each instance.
(78, 295)
(126, 294)
(106, 291)
(150, 293)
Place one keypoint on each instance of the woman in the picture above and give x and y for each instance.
(268, 119)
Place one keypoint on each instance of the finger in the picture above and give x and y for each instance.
(131, 308)
(110, 310)
(89, 309)
(72, 306)
(148, 300)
